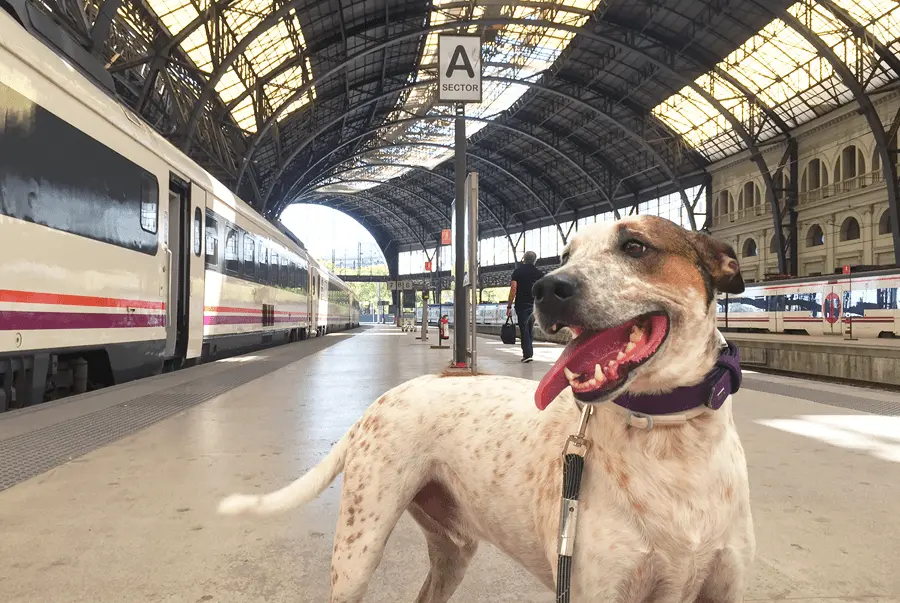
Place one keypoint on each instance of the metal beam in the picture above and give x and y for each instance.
(267, 23)
(629, 133)
(380, 204)
(859, 30)
(866, 108)
(422, 118)
(102, 24)
(487, 22)
(309, 186)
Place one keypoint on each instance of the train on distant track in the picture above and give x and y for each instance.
(867, 302)
(121, 257)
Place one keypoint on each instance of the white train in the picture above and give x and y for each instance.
(820, 305)
(121, 257)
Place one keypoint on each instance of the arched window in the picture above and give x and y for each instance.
(815, 176)
(773, 246)
(884, 223)
(749, 196)
(850, 229)
(815, 237)
(723, 206)
(749, 249)
(850, 164)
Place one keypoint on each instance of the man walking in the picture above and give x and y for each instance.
(523, 279)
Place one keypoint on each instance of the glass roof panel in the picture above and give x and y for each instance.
(516, 52)
(785, 72)
(272, 49)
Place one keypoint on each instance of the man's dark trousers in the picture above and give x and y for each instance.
(525, 316)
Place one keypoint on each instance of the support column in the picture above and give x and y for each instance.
(459, 296)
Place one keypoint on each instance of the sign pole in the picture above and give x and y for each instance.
(459, 81)
(459, 294)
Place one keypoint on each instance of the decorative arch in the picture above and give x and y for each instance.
(884, 223)
(850, 229)
(749, 249)
(850, 163)
(724, 203)
(815, 175)
(749, 196)
(815, 236)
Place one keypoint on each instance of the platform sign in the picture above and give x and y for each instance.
(459, 68)
(428, 266)
(446, 237)
(846, 269)
(392, 285)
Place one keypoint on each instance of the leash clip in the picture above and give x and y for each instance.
(578, 441)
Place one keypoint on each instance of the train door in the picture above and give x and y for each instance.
(832, 309)
(197, 273)
(177, 229)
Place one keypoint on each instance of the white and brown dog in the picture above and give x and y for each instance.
(665, 511)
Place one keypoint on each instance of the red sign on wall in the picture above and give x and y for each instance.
(428, 266)
(446, 236)
(846, 269)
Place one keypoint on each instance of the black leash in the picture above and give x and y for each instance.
(573, 466)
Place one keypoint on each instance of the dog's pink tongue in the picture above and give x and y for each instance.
(555, 381)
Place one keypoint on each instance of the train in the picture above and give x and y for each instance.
(866, 302)
(121, 257)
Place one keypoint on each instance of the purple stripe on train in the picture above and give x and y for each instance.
(33, 321)
(220, 319)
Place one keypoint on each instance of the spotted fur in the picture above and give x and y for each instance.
(665, 513)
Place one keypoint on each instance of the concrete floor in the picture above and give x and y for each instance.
(134, 521)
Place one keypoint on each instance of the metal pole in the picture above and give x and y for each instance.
(459, 294)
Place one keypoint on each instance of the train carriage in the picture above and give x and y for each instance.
(121, 256)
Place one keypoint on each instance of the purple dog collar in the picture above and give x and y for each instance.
(722, 381)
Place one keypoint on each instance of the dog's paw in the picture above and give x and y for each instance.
(238, 503)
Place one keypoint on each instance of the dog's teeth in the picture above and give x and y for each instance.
(569, 374)
(630, 347)
(598, 373)
(621, 356)
(636, 334)
(612, 363)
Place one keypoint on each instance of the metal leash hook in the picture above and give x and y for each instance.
(573, 466)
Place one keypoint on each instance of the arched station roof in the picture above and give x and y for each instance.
(588, 106)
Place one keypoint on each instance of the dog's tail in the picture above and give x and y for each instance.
(301, 491)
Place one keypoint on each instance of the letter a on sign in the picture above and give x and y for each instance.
(459, 68)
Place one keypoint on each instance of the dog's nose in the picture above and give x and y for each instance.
(554, 295)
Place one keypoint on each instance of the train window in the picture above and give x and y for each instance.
(263, 270)
(149, 202)
(198, 232)
(274, 274)
(232, 262)
(758, 303)
(212, 242)
(887, 299)
(249, 255)
(775, 303)
(857, 302)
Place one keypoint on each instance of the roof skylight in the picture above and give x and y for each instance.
(516, 52)
(785, 72)
(267, 52)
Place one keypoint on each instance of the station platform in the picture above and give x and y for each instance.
(111, 496)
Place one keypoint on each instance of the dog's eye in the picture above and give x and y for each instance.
(564, 258)
(634, 248)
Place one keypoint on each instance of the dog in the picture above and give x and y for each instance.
(664, 511)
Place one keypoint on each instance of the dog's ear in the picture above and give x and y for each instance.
(720, 261)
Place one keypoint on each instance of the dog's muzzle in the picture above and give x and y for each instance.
(555, 298)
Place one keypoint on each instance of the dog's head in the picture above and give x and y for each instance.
(639, 297)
